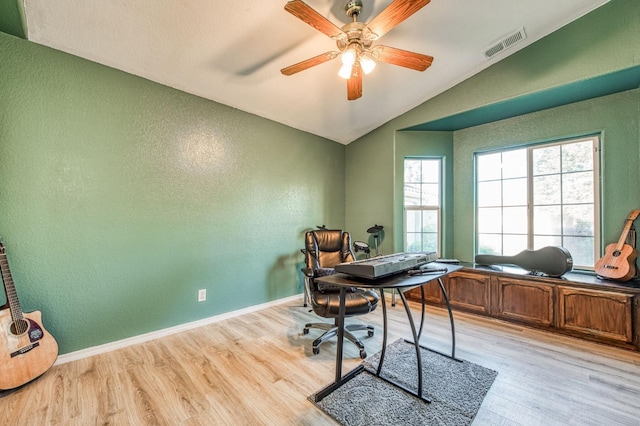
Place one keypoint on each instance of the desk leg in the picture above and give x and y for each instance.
(418, 354)
(384, 332)
(339, 379)
(339, 353)
(415, 339)
(453, 327)
(423, 312)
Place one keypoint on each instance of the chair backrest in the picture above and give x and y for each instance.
(325, 248)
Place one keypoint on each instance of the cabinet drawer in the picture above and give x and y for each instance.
(600, 314)
(524, 301)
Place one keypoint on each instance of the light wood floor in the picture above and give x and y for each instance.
(258, 369)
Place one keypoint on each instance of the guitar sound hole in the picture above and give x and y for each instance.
(616, 253)
(19, 327)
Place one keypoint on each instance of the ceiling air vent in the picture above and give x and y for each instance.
(505, 43)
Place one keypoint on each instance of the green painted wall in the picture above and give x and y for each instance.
(369, 189)
(120, 198)
(600, 43)
(12, 18)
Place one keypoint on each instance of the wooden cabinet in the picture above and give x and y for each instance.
(523, 301)
(605, 315)
(470, 292)
(432, 293)
(577, 305)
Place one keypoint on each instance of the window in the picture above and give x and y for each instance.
(542, 195)
(422, 200)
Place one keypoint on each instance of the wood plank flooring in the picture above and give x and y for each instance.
(258, 369)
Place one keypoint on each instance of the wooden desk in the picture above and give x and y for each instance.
(399, 283)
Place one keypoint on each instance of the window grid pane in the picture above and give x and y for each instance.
(562, 204)
(422, 194)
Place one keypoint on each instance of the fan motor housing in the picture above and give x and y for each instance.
(355, 32)
(353, 8)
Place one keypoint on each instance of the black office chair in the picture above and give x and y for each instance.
(324, 249)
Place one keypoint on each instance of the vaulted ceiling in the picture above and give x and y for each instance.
(232, 52)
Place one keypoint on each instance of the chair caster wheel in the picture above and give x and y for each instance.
(370, 333)
(363, 354)
(316, 351)
(305, 331)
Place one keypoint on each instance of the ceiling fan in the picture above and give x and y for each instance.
(355, 39)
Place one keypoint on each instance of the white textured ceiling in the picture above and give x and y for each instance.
(232, 51)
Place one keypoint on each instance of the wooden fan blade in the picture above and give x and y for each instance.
(396, 12)
(354, 84)
(312, 62)
(403, 58)
(304, 12)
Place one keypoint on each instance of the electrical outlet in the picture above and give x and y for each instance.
(202, 295)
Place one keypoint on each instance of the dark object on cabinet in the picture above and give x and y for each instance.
(551, 260)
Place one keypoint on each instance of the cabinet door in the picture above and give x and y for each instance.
(432, 293)
(469, 291)
(524, 301)
(599, 314)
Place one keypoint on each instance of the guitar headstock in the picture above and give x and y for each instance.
(633, 215)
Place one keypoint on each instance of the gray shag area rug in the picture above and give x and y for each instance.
(456, 390)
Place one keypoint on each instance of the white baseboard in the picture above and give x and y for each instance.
(119, 344)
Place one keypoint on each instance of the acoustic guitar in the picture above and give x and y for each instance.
(619, 260)
(27, 350)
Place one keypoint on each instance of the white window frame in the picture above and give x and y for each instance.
(436, 208)
(595, 139)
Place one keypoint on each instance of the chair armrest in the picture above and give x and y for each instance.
(308, 272)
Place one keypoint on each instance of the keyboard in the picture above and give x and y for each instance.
(382, 266)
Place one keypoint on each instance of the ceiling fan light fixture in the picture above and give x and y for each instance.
(349, 56)
(345, 71)
(354, 41)
(367, 64)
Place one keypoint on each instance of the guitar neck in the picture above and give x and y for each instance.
(627, 227)
(9, 288)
